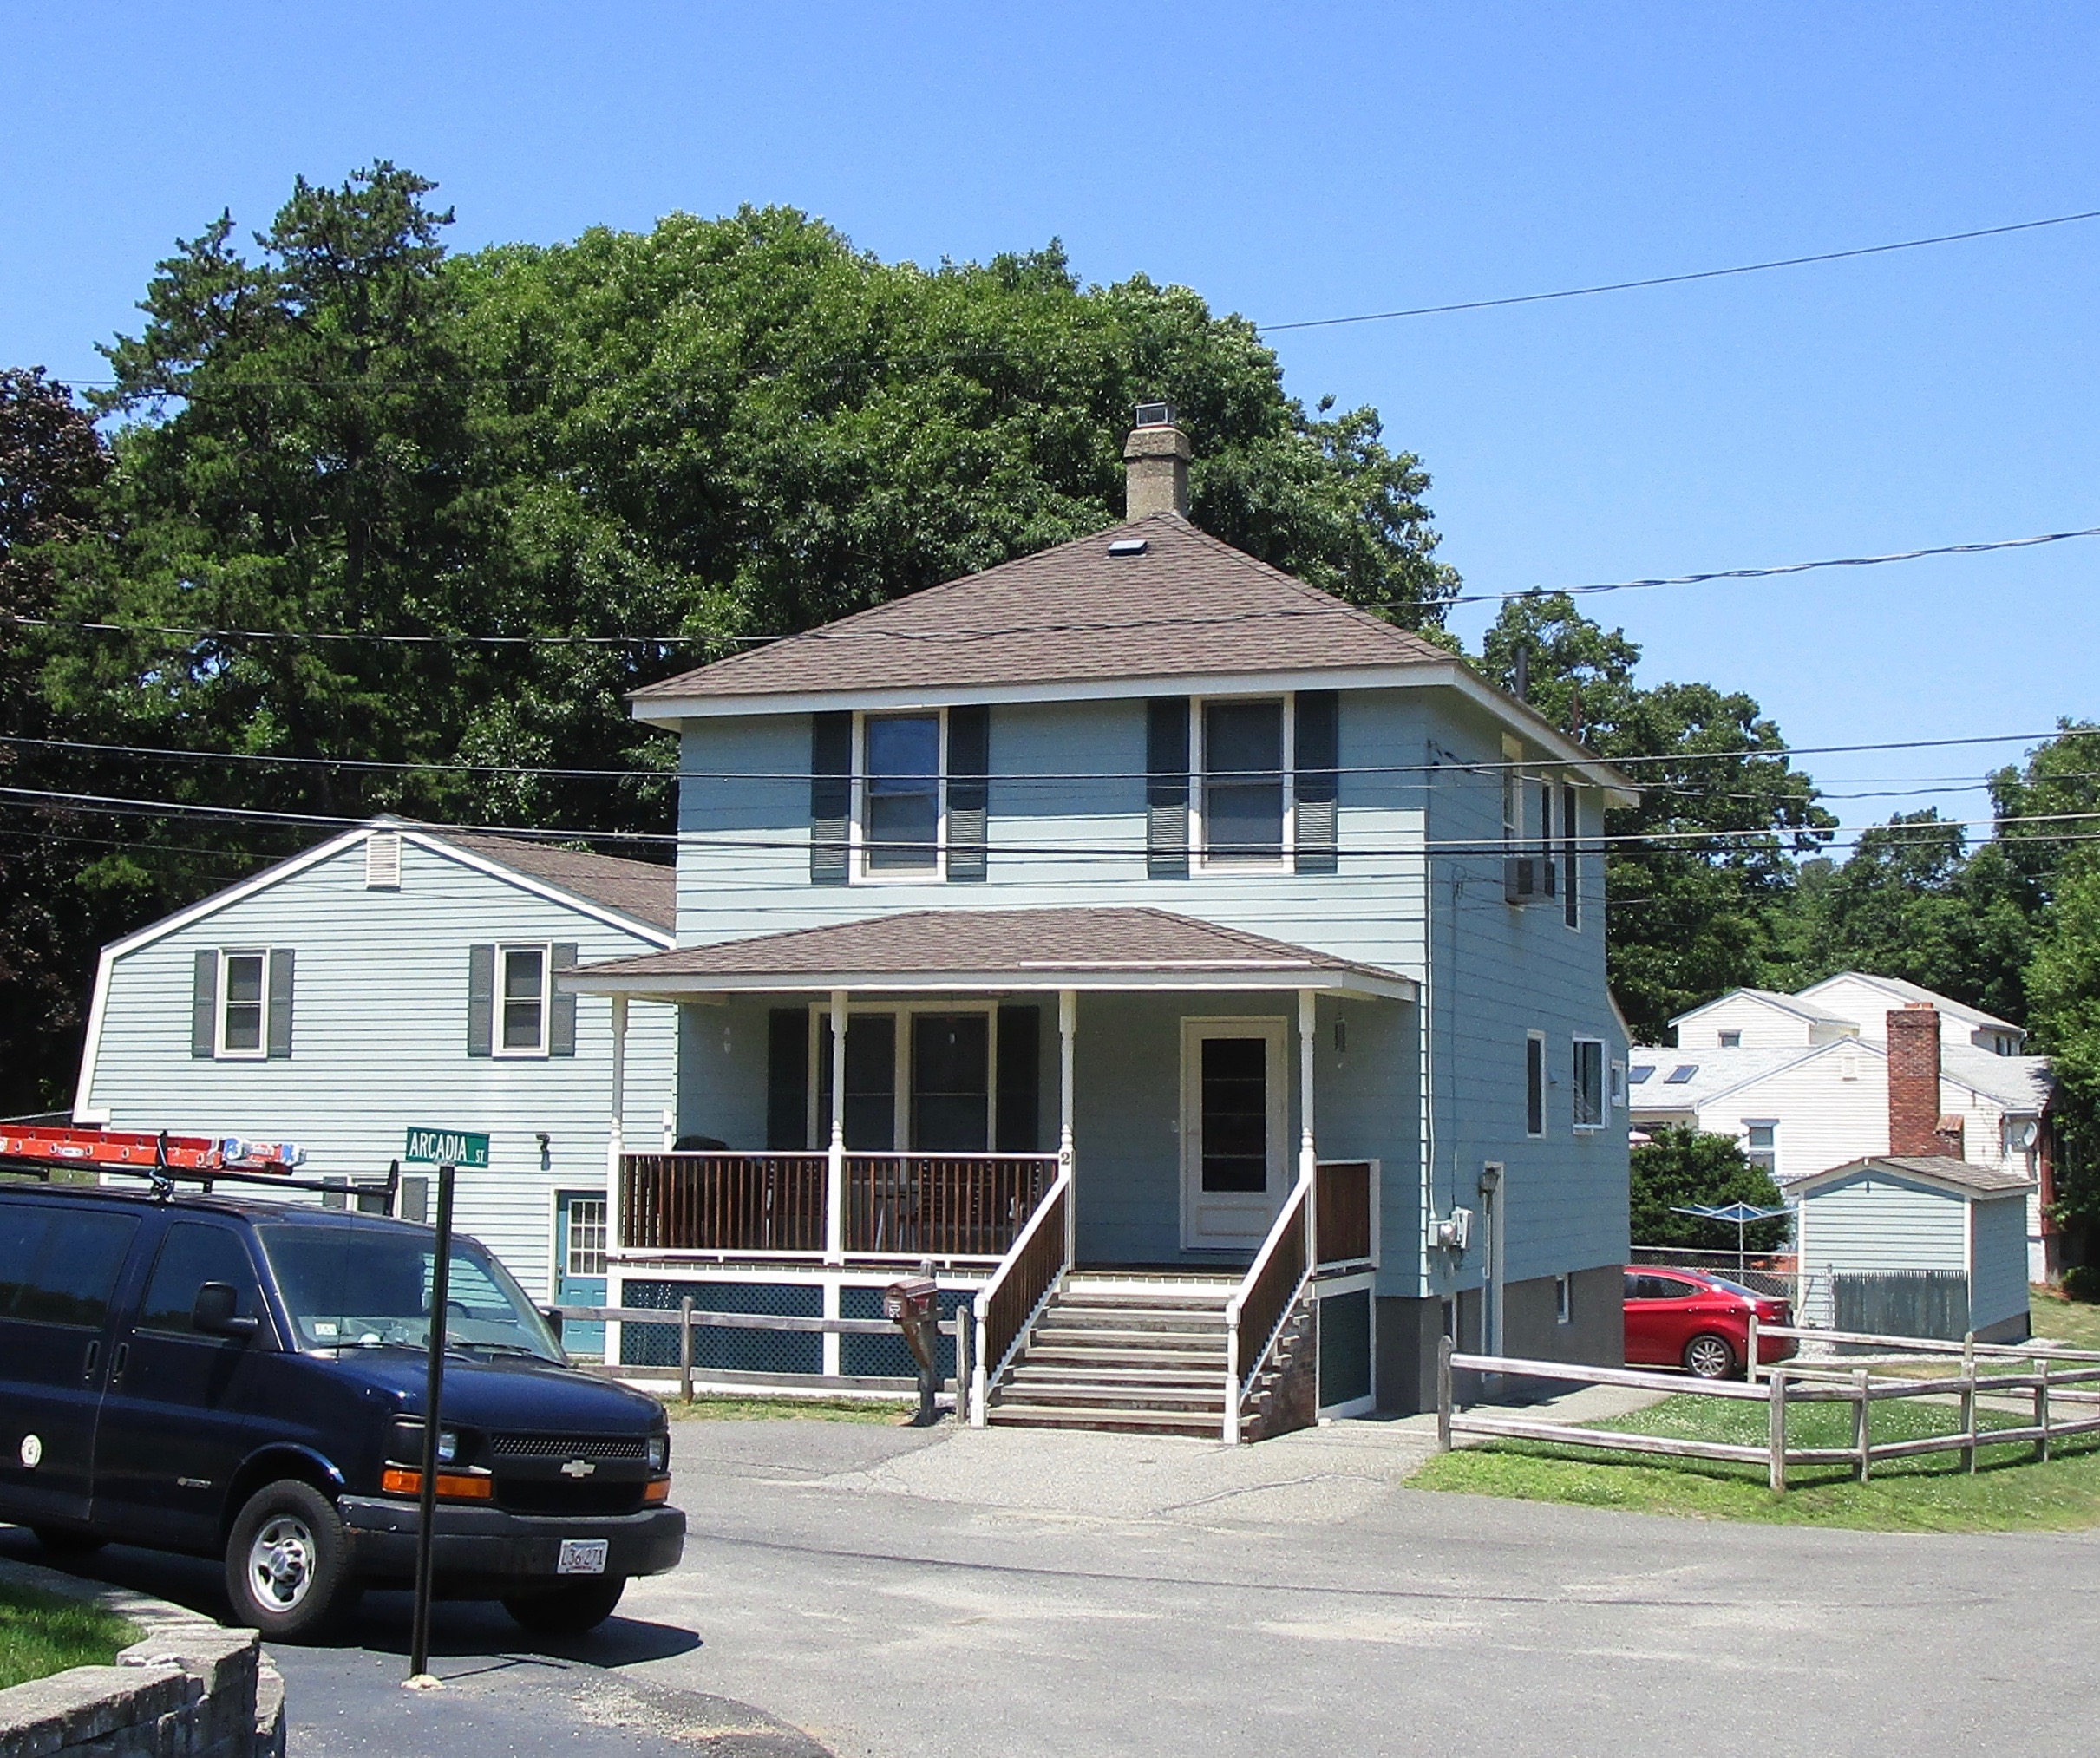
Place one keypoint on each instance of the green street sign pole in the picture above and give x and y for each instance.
(434, 1379)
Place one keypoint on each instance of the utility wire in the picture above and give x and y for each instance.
(1915, 244)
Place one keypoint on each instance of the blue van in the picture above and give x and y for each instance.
(244, 1378)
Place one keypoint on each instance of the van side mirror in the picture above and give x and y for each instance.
(214, 1313)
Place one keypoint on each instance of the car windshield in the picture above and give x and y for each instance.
(366, 1287)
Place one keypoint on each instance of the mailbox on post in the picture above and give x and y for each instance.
(912, 1304)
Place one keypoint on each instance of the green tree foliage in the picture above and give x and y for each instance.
(1691, 911)
(1683, 1168)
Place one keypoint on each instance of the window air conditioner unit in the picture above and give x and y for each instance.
(1527, 879)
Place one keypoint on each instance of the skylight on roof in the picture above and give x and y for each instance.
(1682, 1073)
(1640, 1072)
(1127, 545)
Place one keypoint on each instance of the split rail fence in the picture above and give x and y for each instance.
(2063, 1386)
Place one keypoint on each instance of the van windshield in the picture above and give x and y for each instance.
(354, 1287)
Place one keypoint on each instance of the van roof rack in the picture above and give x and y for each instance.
(37, 1151)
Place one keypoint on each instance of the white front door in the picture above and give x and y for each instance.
(1234, 1132)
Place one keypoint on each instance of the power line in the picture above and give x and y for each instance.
(1915, 244)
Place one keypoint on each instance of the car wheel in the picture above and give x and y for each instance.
(1710, 1357)
(286, 1561)
(67, 1541)
(565, 1610)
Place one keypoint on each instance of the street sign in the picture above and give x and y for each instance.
(446, 1147)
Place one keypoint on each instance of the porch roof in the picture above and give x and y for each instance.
(952, 950)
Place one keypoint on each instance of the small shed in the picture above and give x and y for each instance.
(1925, 1245)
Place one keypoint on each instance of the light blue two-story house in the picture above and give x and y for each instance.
(1205, 976)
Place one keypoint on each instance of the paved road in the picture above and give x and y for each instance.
(944, 1595)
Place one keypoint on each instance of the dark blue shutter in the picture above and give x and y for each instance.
(279, 1038)
(969, 791)
(561, 1016)
(480, 1000)
(1166, 788)
(788, 1079)
(1317, 761)
(1019, 1104)
(831, 767)
(204, 1004)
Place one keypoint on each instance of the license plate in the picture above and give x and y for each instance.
(581, 1557)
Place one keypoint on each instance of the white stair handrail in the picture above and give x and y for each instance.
(1236, 1382)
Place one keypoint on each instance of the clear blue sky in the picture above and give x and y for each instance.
(1302, 162)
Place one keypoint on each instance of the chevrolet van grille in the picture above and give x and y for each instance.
(592, 1446)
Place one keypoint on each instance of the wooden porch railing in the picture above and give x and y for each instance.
(1006, 1306)
(724, 1202)
(942, 1204)
(895, 1204)
(1266, 1293)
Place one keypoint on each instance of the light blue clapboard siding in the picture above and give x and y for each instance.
(1872, 1221)
(379, 1041)
(1422, 766)
(1998, 1277)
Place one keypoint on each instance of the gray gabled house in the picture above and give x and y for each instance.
(1205, 976)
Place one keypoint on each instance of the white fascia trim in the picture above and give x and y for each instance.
(1223, 981)
(239, 894)
(669, 710)
(435, 843)
(1816, 1182)
(85, 1113)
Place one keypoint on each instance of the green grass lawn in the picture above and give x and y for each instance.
(727, 1408)
(2076, 1322)
(40, 1633)
(2009, 1491)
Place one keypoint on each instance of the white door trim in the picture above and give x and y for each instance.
(1240, 1220)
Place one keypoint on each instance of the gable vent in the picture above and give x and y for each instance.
(382, 861)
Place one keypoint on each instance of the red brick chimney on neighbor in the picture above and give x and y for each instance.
(1915, 1127)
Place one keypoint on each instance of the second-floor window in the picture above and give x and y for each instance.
(900, 794)
(1245, 756)
(240, 1004)
(1240, 784)
(525, 1001)
(1589, 1083)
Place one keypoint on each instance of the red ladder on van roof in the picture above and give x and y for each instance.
(144, 1150)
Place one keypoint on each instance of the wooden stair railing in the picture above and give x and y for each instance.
(1008, 1305)
(1254, 1315)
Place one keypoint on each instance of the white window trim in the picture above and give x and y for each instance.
(498, 1032)
(1544, 1086)
(856, 823)
(1200, 861)
(221, 1050)
(818, 1125)
(1574, 1073)
(1564, 1300)
(1616, 1074)
(1749, 1152)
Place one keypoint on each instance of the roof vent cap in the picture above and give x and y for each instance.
(1127, 545)
(1155, 414)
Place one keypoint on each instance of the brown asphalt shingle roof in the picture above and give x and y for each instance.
(944, 942)
(1189, 605)
(640, 889)
(1942, 1168)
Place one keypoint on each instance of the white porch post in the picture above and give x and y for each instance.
(616, 1146)
(1307, 1161)
(835, 1210)
(1068, 1025)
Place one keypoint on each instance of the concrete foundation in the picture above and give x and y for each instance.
(1594, 1330)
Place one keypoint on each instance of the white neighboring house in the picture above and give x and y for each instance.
(402, 975)
(1802, 1080)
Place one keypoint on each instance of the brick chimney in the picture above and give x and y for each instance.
(1155, 459)
(1913, 1080)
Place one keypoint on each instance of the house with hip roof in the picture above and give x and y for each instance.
(1205, 977)
(1806, 1083)
(401, 976)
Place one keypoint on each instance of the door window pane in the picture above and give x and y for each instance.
(66, 1267)
(194, 1253)
(524, 997)
(585, 1255)
(242, 1028)
(950, 1082)
(902, 820)
(870, 1083)
(1243, 783)
(1235, 1077)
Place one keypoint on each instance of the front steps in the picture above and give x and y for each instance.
(1140, 1354)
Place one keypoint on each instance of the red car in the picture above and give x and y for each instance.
(1688, 1319)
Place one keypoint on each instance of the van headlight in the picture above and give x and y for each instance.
(659, 1452)
(405, 1443)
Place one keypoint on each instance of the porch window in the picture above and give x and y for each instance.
(940, 1096)
(870, 1083)
(900, 794)
(1244, 765)
(950, 1082)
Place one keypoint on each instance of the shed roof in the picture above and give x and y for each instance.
(1099, 949)
(1958, 1177)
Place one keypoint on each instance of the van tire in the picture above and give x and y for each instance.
(287, 1561)
(565, 1610)
(69, 1541)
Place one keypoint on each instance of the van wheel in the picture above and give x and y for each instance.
(285, 1563)
(565, 1610)
(1710, 1357)
(68, 1541)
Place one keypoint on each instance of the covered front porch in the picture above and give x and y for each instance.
(1009, 1096)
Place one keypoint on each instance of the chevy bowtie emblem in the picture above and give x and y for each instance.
(577, 1467)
